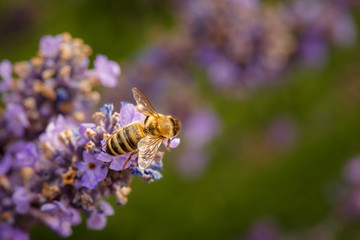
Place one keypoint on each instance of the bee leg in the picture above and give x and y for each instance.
(128, 159)
(168, 145)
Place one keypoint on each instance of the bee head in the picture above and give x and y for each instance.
(176, 125)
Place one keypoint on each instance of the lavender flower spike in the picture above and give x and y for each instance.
(52, 167)
(67, 174)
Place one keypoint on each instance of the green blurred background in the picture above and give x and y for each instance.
(247, 177)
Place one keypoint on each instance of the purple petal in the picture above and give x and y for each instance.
(174, 143)
(26, 154)
(82, 166)
(6, 75)
(75, 217)
(107, 71)
(60, 206)
(101, 172)
(5, 164)
(88, 157)
(49, 45)
(84, 126)
(89, 180)
(104, 157)
(118, 162)
(107, 208)
(16, 119)
(129, 114)
(201, 128)
(21, 198)
(7, 232)
(48, 207)
(64, 229)
(107, 109)
(96, 221)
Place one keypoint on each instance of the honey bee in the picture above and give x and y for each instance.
(145, 138)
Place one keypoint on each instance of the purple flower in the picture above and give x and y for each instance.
(5, 164)
(24, 153)
(94, 171)
(107, 109)
(352, 171)
(129, 114)
(312, 50)
(50, 45)
(117, 162)
(54, 128)
(16, 119)
(5, 73)
(61, 218)
(22, 198)
(197, 128)
(344, 32)
(83, 138)
(7, 232)
(107, 71)
(193, 163)
(97, 220)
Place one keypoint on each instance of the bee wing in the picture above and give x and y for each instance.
(143, 104)
(148, 147)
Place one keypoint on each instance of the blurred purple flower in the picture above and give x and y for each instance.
(6, 75)
(83, 137)
(16, 119)
(107, 109)
(313, 51)
(94, 171)
(61, 218)
(5, 164)
(198, 128)
(352, 171)
(97, 220)
(7, 232)
(344, 32)
(54, 128)
(22, 198)
(107, 71)
(50, 45)
(24, 153)
(117, 162)
(193, 163)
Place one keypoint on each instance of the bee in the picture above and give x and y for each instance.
(145, 138)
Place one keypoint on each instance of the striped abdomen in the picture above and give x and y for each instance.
(125, 140)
